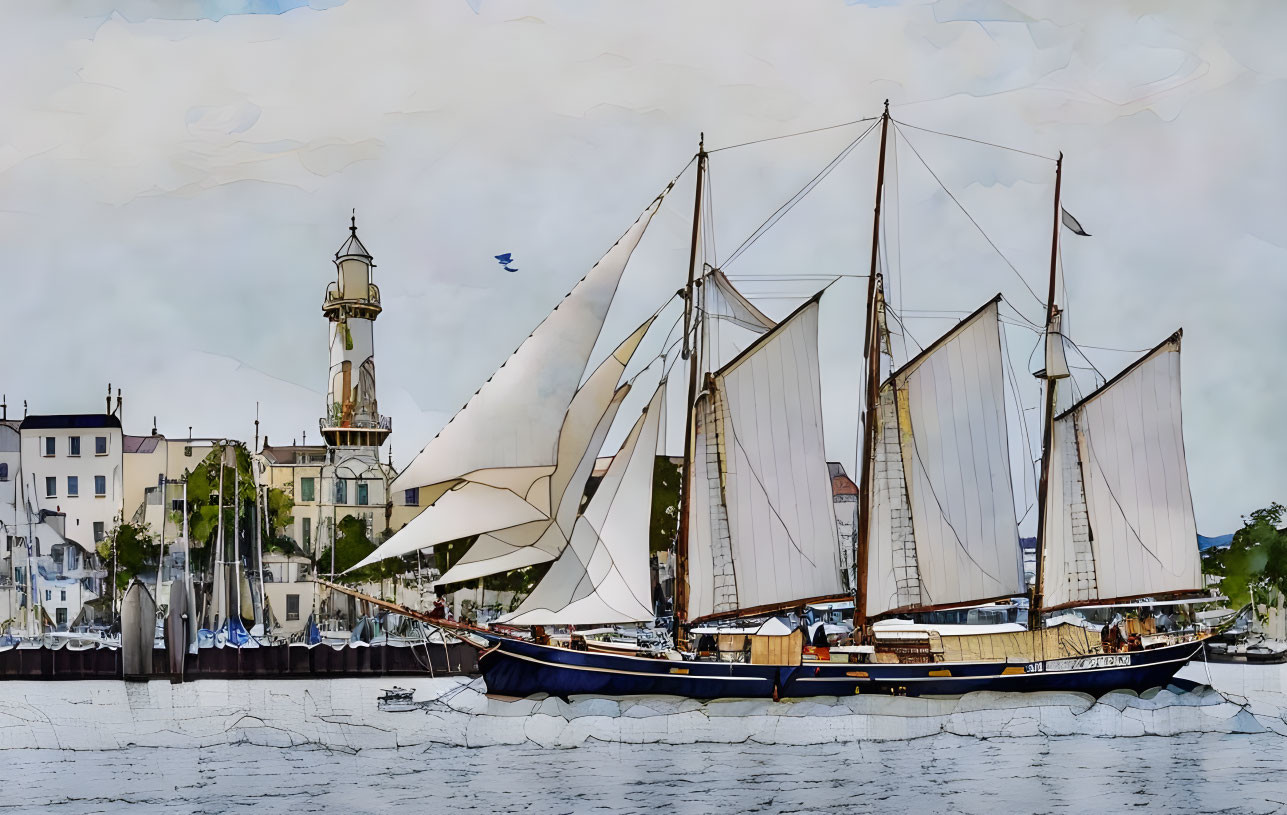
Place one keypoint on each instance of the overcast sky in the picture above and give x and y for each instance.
(176, 176)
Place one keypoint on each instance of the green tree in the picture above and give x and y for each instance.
(666, 479)
(1256, 559)
(134, 548)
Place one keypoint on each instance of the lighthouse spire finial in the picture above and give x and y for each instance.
(353, 221)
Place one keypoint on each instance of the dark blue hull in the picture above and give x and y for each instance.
(519, 668)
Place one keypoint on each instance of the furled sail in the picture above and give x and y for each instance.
(512, 521)
(506, 434)
(776, 488)
(603, 575)
(1119, 516)
(943, 530)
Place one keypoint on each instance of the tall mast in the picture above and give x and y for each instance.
(690, 353)
(1047, 432)
(871, 352)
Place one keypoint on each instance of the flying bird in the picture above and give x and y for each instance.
(505, 260)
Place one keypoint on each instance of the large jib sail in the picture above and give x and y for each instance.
(502, 460)
(943, 529)
(1119, 515)
(764, 532)
(506, 434)
(603, 574)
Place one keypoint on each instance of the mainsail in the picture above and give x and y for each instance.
(764, 533)
(1119, 516)
(943, 530)
(506, 434)
(603, 574)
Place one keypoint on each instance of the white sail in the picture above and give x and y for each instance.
(1119, 515)
(777, 491)
(724, 302)
(712, 586)
(506, 435)
(585, 426)
(465, 510)
(603, 575)
(950, 469)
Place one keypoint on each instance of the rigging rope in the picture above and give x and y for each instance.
(976, 141)
(793, 135)
(795, 199)
(960, 206)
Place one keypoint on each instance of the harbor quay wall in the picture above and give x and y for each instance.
(265, 662)
(344, 714)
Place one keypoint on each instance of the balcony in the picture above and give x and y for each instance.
(361, 430)
(336, 304)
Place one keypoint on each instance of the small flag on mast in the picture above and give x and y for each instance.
(1072, 224)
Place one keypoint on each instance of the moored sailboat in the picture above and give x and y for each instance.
(757, 535)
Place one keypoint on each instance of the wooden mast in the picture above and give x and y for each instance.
(1047, 432)
(871, 352)
(690, 353)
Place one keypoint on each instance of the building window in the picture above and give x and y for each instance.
(49, 595)
(100, 485)
(51, 487)
(100, 445)
(49, 445)
(412, 497)
(60, 616)
(73, 446)
(306, 489)
(308, 532)
(63, 597)
(99, 534)
(73, 486)
(292, 607)
(362, 493)
(341, 491)
(4, 471)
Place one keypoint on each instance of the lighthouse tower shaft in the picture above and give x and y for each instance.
(352, 303)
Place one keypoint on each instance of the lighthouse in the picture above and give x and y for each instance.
(352, 303)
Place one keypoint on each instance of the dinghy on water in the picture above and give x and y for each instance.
(757, 535)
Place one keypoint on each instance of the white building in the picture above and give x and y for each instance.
(39, 556)
(73, 464)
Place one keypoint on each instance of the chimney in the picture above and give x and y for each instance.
(119, 414)
(4, 406)
(154, 426)
(109, 399)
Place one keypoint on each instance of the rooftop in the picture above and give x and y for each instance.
(61, 421)
(140, 444)
(352, 246)
(290, 453)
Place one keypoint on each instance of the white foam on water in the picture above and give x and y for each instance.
(342, 714)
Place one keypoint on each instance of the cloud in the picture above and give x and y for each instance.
(175, 177)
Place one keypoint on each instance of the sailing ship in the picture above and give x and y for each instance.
(757, 537)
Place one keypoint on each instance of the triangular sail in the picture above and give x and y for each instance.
(777, 491)
(503, 550)
(724, 302)
(506, 435)
(603, 575)
(1119, 516)
(521, 520)
(943, 530)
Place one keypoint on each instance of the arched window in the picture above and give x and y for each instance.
(4, 471)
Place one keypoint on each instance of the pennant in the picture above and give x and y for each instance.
(1071, 223)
